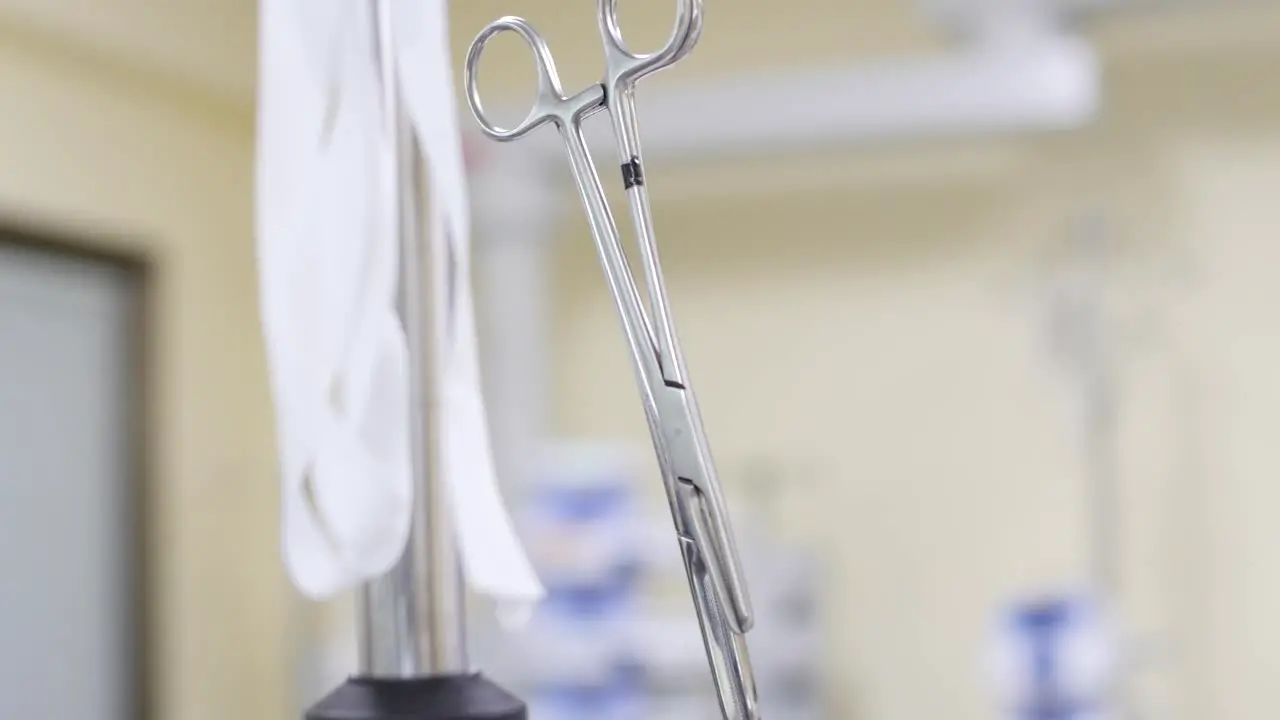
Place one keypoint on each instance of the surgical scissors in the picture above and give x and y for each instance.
(716, 579)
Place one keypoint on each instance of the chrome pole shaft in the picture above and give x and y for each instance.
(412, 620)
(1104, 479)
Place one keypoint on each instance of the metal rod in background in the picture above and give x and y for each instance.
(412, 620)
(1099, 389)
(1102, 421)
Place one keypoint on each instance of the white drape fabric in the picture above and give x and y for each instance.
(328, 269)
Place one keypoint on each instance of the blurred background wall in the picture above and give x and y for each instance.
(848, 317)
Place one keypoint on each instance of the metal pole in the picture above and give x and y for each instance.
(1096, 359)
(1104, 477)
(412, 620)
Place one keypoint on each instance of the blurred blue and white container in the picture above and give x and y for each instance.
(618, 697)
(1055, 657)
(580, 518)
(580, 526)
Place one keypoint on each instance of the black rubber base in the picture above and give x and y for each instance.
(455, 697)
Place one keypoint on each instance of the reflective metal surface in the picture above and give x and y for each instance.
(412, 620)
(693, 490)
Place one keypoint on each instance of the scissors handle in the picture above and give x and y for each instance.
(549, 104)
(623, 67)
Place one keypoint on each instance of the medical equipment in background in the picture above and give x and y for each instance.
(1056, 656)
(1085, 336)
(1068, 655)
(615, 639)
(716, 579)
(576, 660)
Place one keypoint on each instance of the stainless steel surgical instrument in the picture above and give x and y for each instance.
(698, 508)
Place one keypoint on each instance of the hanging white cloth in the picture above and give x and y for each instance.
(328, 267)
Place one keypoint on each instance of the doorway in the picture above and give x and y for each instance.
(72, 595)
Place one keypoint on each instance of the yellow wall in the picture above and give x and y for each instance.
(150, 169)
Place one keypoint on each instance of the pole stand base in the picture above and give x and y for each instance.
(448, 697)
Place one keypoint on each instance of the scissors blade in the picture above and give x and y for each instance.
(706, 522)
(726, 649)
